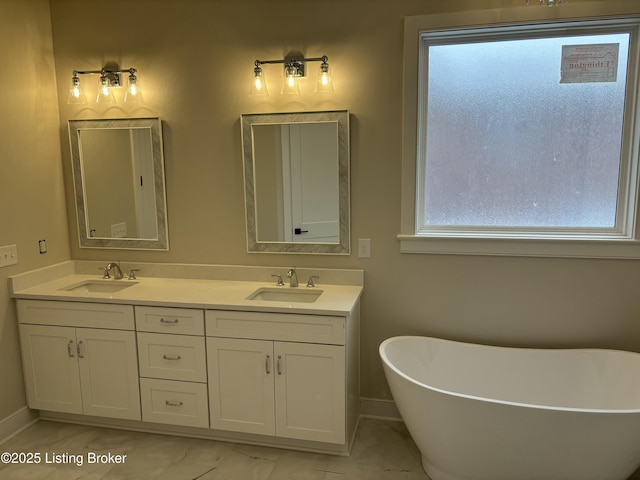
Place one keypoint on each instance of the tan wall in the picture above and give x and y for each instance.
(31, 185)
(195, 59)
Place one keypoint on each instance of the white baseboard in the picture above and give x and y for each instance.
(375, 407)
(16, 422)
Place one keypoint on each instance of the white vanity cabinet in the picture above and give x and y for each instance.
(173, 367)
(80, 358)
(278, 374)
(196, 357)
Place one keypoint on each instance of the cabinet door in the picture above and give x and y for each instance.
(51, 368)
(109, 373)
(241, 385)
(310, 392)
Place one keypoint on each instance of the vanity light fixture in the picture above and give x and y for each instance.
(294, 69)
(548, 3)
(109, 79)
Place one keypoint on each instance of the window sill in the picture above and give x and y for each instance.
(520, 247)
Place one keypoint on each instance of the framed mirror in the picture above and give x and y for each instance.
(296, 176)
(118, 176)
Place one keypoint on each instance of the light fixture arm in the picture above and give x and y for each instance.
(111, 73)
(548, 3)
(293, 60)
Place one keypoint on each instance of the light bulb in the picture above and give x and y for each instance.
(258, 83)
(324, 83)
(104, 92)
(290, 85)
(75, 93)
(134, 94)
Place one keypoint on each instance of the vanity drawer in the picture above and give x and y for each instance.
(182, 321)
(76, 314)
(276, 326)
(175, 403)
(172, 357)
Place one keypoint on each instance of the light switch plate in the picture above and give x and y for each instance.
(8, 255)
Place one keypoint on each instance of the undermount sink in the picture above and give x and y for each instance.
(99, 286)
(285, 295)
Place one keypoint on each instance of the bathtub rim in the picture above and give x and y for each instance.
(388, 363)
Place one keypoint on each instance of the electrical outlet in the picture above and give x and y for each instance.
(42, 246)
(364, 247)
(8, 255)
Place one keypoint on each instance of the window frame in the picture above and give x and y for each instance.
(532, 22)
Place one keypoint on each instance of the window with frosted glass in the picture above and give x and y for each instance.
(505, 144)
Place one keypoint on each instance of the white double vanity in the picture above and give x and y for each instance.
(197, 350)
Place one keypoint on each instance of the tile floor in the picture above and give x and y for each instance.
(383, 450)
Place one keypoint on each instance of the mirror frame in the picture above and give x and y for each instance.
(155, 126)
(341, 117)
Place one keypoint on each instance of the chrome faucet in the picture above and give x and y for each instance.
(117, 272)
(293, 277)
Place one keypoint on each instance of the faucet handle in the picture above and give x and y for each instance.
(310, 282)
(132, 273)
(279, 282)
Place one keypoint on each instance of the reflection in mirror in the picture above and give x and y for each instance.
(297, 182)
(118, 169)
(304, 159)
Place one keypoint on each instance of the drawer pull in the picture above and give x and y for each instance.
(173, 403)
(267, 364)
(69, 350)
(169, 357)
(169, 322)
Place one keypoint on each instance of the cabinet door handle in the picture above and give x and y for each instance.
(169, 357)
(173, 403)
(278, 366)
(169, 322)
(78, 349)
(267, 364)
(69, 349)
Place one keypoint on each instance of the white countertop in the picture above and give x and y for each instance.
(193, 293)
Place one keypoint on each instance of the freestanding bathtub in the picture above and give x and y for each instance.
(493, 413)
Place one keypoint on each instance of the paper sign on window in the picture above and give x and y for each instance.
(589, 63)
